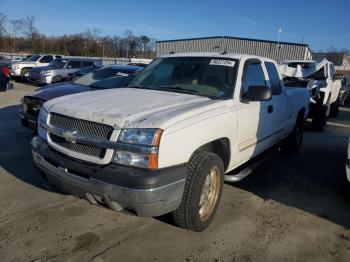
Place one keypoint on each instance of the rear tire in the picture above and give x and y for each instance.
(295, 139)
(334, 108)
(202, 193)
(319, 118)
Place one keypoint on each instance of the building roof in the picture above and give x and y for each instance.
(234, 38)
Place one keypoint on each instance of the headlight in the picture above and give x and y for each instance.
(140, 147)
(42, 118)
(46, 72)
(140, 136)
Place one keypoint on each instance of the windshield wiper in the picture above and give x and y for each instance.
(179, 89)
(141, 87)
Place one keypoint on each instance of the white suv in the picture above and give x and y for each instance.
(20, 68)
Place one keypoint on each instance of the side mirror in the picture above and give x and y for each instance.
(338, 76)
(258, 93)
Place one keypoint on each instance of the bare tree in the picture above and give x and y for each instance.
(3, 31)
(15, 27)
(31, 31)
(96, 33)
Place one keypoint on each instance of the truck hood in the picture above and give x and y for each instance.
(316, 70)
(133, 108)
(57, 90)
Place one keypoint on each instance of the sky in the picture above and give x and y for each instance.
(321, 24)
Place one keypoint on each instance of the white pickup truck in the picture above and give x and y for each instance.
(167, 142)
(20, 68)
(323, 83)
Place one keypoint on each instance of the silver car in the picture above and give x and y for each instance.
(58, 70)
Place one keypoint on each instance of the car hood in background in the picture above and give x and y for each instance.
(58, 90)
(317, 70)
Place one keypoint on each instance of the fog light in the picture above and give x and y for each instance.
(135, 159)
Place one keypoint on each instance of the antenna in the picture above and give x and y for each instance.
(279, 33)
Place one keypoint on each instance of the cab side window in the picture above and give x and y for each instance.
(87, 63)
(274, 77)
(74, 64)
(46, 59)
(253, 76)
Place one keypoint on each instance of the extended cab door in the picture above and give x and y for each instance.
(254, 124)
(279, 103)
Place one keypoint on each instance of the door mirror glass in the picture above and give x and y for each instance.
(258, 93)
(338, 77)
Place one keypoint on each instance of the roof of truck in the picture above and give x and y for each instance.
(298, 61)
(219, 55)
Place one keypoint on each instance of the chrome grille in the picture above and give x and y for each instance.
(80, 148)
(83, 127)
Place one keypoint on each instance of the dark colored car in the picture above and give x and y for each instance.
(138, 64)
(81, 72)
(106, 77)
(5, 78)
(4, 60)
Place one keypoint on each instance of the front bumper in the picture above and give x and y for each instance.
(40, 79)
(144, 192)
(28, 120)
(15, 72)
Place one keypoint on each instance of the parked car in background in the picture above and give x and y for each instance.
(5, 78)
(20, 68)
(167, 142)
(112, 76)
(58, 70)
(345, 92)
(21, 58)
(323, 83)
(138, 64)
(82, 71)
(4, 60)
(348, 162)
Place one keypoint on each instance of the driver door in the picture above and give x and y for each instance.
(254, 129)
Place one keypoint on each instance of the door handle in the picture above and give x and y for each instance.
(270, 109)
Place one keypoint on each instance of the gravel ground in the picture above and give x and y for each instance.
(290, 209)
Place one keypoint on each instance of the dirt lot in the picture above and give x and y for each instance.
(291, 209)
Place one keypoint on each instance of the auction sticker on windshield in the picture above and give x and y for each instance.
(222, 62)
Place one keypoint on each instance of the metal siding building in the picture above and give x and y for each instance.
(278, 51)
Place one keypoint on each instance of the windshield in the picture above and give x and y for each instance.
(58, 63)
(203, 76)
(105, 78)
(33, 58)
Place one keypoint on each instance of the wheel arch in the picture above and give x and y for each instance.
(221, 147)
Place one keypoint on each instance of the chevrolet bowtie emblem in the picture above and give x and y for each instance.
(70, 136)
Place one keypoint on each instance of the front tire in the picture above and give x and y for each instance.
(202, 193)
(23, 72)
